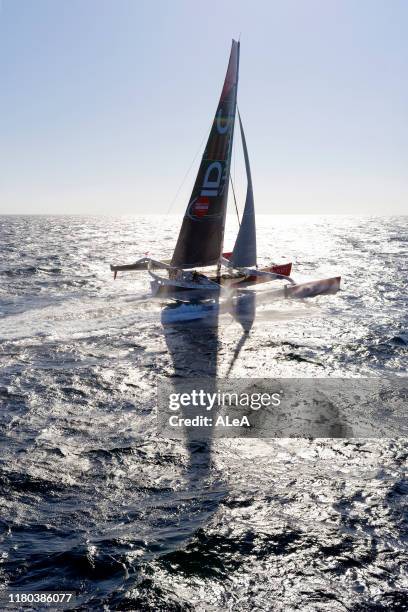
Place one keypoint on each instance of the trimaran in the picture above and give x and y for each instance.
(201, 238)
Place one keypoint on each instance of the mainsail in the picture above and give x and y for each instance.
(244, 253)
(202, 232)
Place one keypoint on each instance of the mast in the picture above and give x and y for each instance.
(201, 235)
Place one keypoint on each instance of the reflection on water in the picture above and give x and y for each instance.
(193, 347)
(243, 311)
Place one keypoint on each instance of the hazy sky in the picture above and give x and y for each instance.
(103, 104)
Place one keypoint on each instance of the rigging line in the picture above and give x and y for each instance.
(235, 154)
(188, 172)
(235, 200)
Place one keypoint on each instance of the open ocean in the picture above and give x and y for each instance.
(92, 500)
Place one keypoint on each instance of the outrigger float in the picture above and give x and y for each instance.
(201, 237)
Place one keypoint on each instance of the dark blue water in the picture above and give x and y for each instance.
(92, 500)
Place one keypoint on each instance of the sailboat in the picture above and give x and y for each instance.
(201, 237)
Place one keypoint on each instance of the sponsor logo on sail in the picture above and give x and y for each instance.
(222, 122)
(213, 178)
(200, 207)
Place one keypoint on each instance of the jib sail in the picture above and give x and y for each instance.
(202, 232)
(244, 253)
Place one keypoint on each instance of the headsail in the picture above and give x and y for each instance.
(244, 253)
(202, 232)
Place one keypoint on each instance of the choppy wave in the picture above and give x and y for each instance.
(93, 501)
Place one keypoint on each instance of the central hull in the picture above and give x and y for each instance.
(172, 288)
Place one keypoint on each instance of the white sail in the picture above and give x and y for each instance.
(244, 253)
